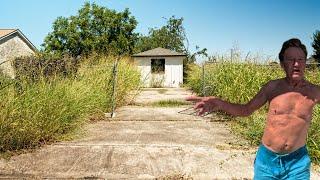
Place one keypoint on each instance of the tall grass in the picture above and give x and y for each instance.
(238, 83)
(169, 103)
(52, 108)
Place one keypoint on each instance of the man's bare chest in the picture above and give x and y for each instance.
(292, 103)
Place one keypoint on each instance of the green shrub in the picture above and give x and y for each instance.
(33, 68)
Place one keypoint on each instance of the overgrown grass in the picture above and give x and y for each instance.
(162, 91)
(51, 109)
(169, 103)
(238, 83)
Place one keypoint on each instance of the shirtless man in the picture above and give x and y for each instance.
(282, 153)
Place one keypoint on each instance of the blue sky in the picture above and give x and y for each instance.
(258, 26)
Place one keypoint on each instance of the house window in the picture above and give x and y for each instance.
(157, 66)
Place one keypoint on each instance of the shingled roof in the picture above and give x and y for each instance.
(6, 34)
(158, 52)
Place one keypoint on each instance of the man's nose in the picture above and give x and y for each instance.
(296, 63)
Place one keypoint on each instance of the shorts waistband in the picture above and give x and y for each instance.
(301, 151)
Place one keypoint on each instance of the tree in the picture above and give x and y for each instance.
(171, 36)
(316, 45)
(93, 29)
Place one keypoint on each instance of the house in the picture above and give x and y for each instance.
(160, 67)
(13, 43)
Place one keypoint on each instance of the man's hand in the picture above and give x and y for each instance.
(204, 104)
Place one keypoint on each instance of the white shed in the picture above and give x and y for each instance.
(160, 67)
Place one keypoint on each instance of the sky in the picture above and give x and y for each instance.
(253, 26)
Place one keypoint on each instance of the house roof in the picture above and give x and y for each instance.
(5, 33)
(158, 52)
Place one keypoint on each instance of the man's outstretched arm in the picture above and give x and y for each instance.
(209, 104)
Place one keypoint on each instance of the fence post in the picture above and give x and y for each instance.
(203, 79)
(114, 83)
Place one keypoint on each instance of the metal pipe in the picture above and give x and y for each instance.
(114, 71)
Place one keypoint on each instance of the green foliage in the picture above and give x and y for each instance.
(169, 103)
(94, 29)
(100, 30)
(234, 82)
(238, 83)
(162, 91)
(48, 110)
(316, 45)
(157, 81)
(171, 36)
(5, 81)
(33, 68)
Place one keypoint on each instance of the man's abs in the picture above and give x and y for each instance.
(285, 133)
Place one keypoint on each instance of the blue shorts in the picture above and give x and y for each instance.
(271, 165)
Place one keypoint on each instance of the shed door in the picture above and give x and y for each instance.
(173, 73)
(157, 72)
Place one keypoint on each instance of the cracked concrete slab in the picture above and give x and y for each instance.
(161, 133)
(129, 161)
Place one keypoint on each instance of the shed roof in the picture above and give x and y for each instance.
(158, 52)
(6, 33)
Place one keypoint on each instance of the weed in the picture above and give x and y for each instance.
(50, 109)
(169, 103)
(162, 91)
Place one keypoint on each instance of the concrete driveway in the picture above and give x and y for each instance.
(143, 142)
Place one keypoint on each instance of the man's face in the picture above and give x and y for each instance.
(294, 63)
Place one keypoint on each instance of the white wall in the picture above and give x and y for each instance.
(10, 49)
(144, 65)
(173, 76)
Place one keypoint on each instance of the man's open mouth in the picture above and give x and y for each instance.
(296, 71)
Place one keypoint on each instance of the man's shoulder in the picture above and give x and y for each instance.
(273, 86)
(313, 90)
(273, 83)
(313, 86)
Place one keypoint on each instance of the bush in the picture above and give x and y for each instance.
(32, 68)
(51, 109)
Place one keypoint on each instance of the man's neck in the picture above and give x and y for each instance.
(295, 83)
